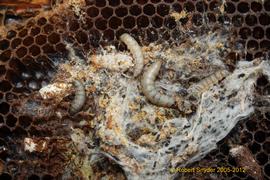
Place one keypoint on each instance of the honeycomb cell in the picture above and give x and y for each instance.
(10, 97)
(211, 17)
(94, 37)
(21, 52)
(197, 19)
(121, 11)
(41, 39)
(247, 137)
(122, 31)
(48, 28)
(5, 86)
(244, 32)
(259, 136)
(115, 23)
(262, 158)
(176, 35)
(229, 8)
(251, 20)
(28, 41)
(165, 35)
(265, 44)
(23, 32)
(15, 43)
(30, 23)
(108, 35)
(189, 7)
(129, 22)
(107, 12)
(258, 32)
(163, 9)
(48, 49)
(252, 45)
(101, 24)
(184, 21)
(88, 25)
(34, 31)
(100, 3)
(5, 55)
(25, 121)
(42, 21)
(4, 44)
(157, 21)
(264, 19)
(54, 38)
(255, 147)
(237, 20)
(81, 37)
(149, 9)
(18, 131)
(177, 7)
(266, 147)
(152, 35)
(243, 7)
(114, 3)
(225, 20)
(11, 34)
(142, 21)
(11, 121)
(127, 2)
(34, 50)
(60, 47)
(4, 132)
(251, 126)
(262, 81)
(39, 74)
(170, 23)
(267, 169)
(135, 10)
(92, 12)
(14, 78)
(256, 6)
(4, 108)
(33, 85)
(214, 6)
(17, 65)
(26, 75)
(74, 25)
(201, 6)
(2, 70)
(267, 5)
(258, 55)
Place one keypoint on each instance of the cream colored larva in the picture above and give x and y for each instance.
(149, 89)
(208, 82)
(136, 51)
(79, 99)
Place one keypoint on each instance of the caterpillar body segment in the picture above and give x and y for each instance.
(136, 52)
(149, 89)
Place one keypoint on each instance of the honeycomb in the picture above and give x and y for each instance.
(31, 50)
